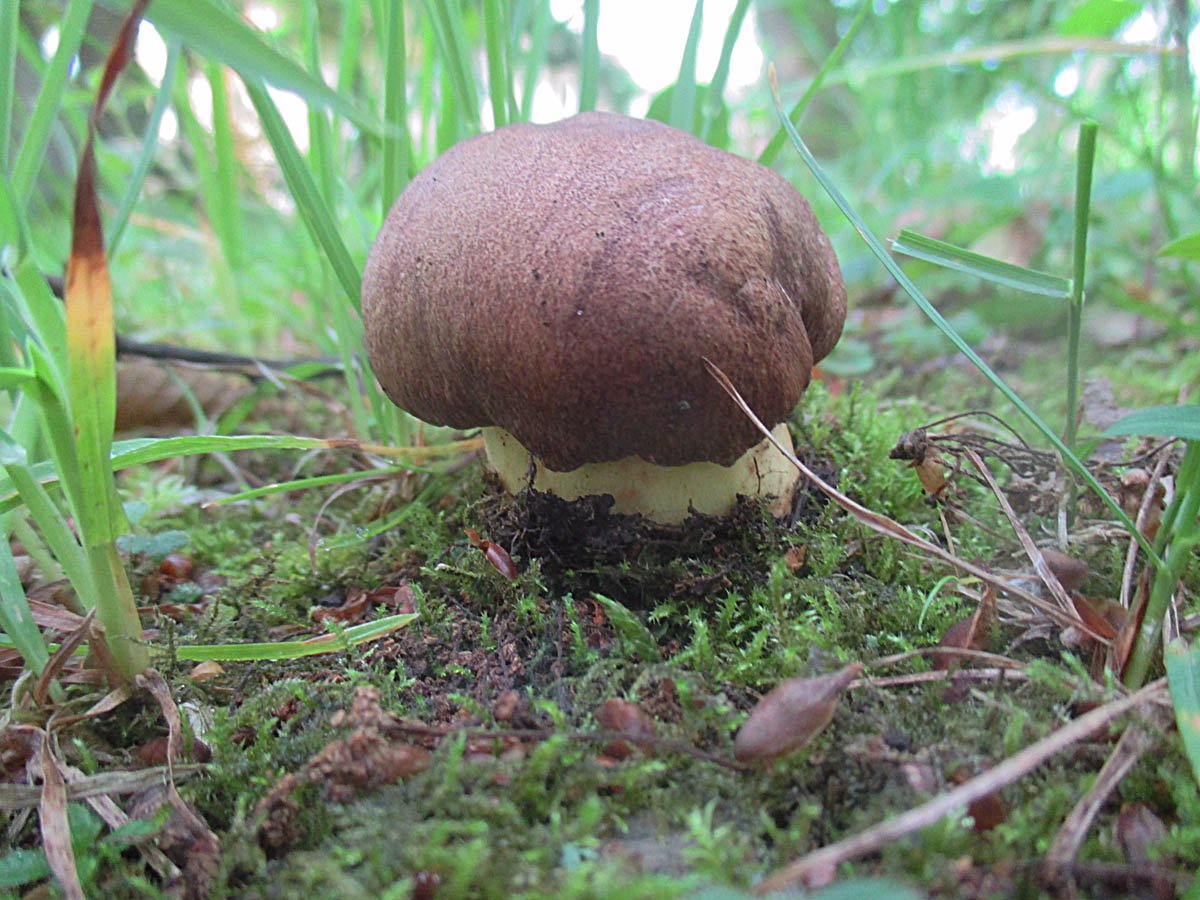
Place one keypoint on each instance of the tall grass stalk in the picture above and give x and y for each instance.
(589, 67)
(41, 121)
(397, 154)
(1085, 163)
(910, 288)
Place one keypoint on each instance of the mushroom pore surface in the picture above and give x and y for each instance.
(565, 282)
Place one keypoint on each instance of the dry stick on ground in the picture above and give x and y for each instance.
(599, 736)
(881, 523)
(1130, 748)
(994, 674)
(52, 815)
(994, 779)
(1149, 499)
(1035, 555)
(962, 652)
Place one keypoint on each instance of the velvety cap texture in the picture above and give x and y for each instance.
(564, 282)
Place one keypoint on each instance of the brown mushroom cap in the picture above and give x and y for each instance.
(565, 281)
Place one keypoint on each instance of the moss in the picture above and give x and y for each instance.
(692, 633)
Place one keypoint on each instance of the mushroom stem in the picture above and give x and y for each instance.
(664, 494)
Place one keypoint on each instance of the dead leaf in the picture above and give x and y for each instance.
(1138, 831)
(931, 472)
(987, 811)
(971, 633)
(210, 668)
(56, 831)
(795, 558)
(1102, 616)
(1070, 572)
(354, 609)
(629, 719)
(154, 752)
(791, 715)
(369, 757)
(155, 397)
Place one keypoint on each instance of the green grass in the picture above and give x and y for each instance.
(242, 232)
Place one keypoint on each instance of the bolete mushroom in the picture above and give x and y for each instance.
(560, 286)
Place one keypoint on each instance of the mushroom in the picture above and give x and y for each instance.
(560, 286)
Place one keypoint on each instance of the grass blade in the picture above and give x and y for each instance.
(493, 20)
(447, 26)
(314, 212)
(225, 203)
(92, 392)
(37, 131)
(55, 530)
(683, 94)
(535, 57)
(1183, 678)
(216, 33)
(397, 154)
(1084, 164)
(1186, 247)
(781, 136)
(15, 618)
(994, 54)
(716, 88)
(876, 247)
(589, 75)
(326, 643)
(140, 451)
(1161, 421)
(149, 146)
(304, 484)
(10, 23)
(91, 363)
(985, 268)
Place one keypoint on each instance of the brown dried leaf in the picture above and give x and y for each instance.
(1122, 646)
(1070, 572)
(987, 811)
(1102, 616)
(795, 558)
(931, 471)
(630, 720)
(971, 633)
(56, 831)
(354, 609)
(210, 668)
(154, 752)
(367, 758)
(63, 655)
(155, 397)
(1138, 831)
(791, 715)
(396, 599)
(177, 567)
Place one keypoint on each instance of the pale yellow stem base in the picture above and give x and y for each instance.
(665, 494)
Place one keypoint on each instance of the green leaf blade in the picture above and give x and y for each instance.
(985, 268)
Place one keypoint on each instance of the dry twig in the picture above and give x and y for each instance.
(1130, 748)
(994, 779)
(882, 524)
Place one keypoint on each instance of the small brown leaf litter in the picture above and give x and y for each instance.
(971, 633)
(185, 841)
(791, 715)
(372, 755)
(495, 554)
(629, 719)
(1070, 572)
(986, 812)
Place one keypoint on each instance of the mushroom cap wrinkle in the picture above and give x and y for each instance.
(565, 282)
